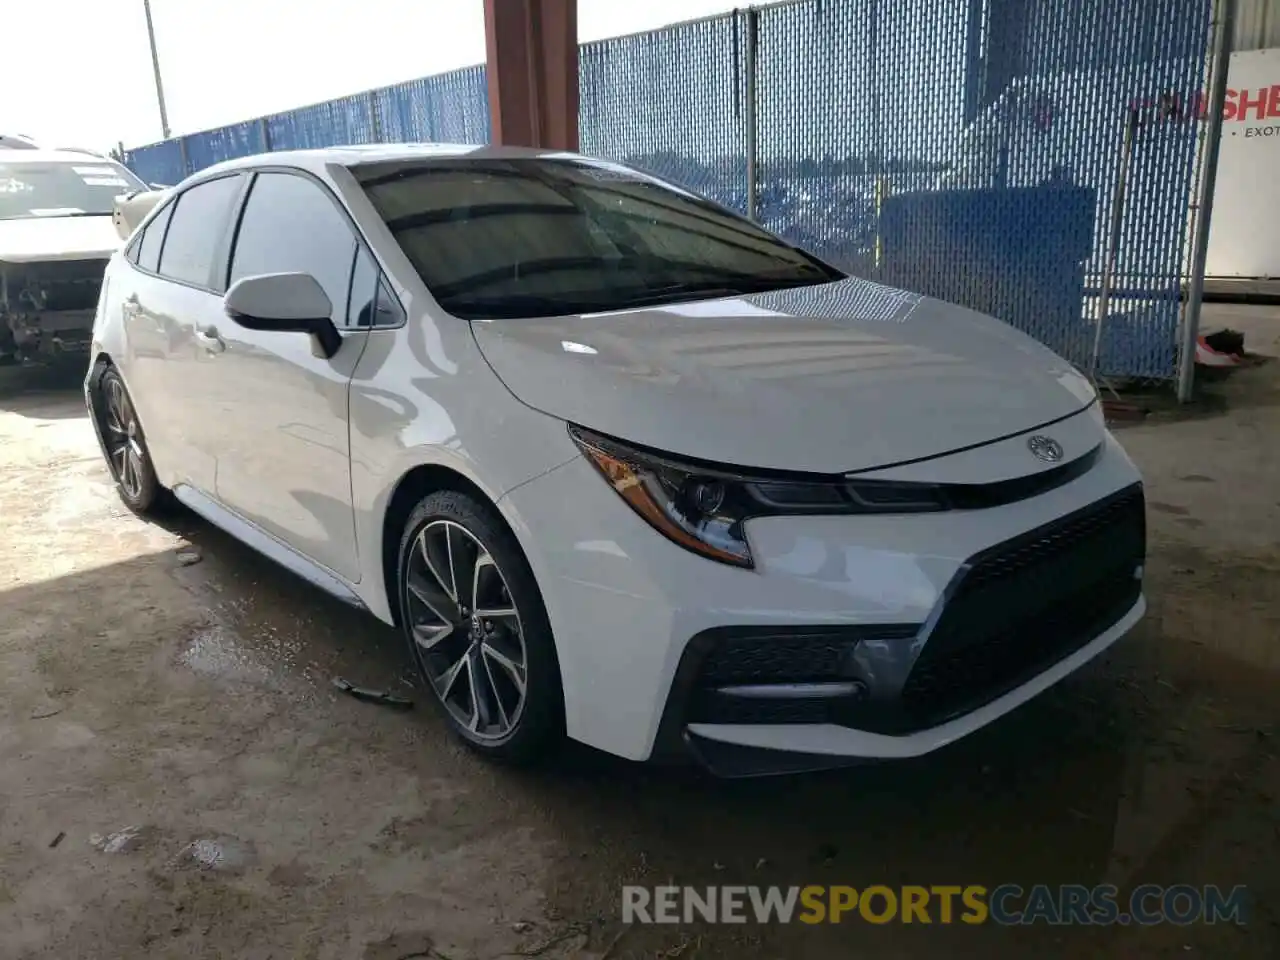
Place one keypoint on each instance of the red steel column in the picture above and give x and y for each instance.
(532, 51)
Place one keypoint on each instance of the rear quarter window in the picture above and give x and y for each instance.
(196, 227)
(147, 248)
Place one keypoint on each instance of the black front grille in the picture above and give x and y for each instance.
(1028, 603)
(55, 284)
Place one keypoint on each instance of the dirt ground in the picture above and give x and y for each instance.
(180, 779)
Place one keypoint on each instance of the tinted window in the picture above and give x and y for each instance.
(148, 247)
(291, 225)
(195, 230)
(495, 238)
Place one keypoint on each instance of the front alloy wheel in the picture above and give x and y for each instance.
(477, 629)
(467, 629)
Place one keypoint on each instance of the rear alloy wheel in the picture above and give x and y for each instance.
(477, 629)
(127, 455)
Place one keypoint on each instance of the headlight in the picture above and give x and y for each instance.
(703, 507)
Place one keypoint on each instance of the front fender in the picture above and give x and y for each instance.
(500, 455)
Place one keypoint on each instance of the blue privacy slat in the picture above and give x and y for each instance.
(966, 149)
(447, 107)
(237, 140)
(670, 102)
(922, 100)
(348, 120)
(158, 163)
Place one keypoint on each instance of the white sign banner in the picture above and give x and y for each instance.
(1244, 237)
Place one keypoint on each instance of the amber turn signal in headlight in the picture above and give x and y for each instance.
(703, 507)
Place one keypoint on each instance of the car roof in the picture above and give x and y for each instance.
(316, 160)
(21, 155)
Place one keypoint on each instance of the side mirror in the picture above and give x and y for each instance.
(284, 302)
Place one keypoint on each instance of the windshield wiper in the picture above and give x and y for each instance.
(506, 306)
(676, 292)
(743, 285)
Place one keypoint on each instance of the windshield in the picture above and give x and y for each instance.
(529, 238)
(61, 189)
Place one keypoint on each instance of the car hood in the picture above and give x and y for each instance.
(831, 378)
(57, 238)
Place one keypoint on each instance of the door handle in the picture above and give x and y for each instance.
(209, 339)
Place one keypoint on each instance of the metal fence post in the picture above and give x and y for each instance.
(155, 68)
(753, 25)
(1223, 23)
(265, 128)
(1113, 239)
(182, 152)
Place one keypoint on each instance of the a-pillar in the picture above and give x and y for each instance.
(532, 50)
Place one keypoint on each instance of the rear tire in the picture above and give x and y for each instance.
(477, 629)
(128, 458)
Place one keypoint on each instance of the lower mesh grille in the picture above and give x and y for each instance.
(756, 657)
(1027, 604)
(784, 656)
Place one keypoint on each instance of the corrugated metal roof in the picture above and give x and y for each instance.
(1257, 24)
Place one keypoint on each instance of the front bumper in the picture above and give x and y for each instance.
(853, 637)
(757, 750)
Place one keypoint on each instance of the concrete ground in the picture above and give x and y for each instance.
(179, 778)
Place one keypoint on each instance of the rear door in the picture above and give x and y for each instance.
(176, 294)
(284, 456)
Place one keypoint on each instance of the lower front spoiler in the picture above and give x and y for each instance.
(755, 750)
(732, 761)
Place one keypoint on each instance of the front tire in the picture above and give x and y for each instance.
(128, 458)
(477, 629)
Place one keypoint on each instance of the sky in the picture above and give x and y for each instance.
(78, 72)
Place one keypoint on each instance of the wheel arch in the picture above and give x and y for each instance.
(92, 382)
(99, 365)
(415, 484)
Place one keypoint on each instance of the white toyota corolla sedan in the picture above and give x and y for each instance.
(621, 465)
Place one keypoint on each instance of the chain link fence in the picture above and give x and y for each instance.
(965, 149)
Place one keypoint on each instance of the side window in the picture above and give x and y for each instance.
(195, 230)
(290, 225)
(372, 303)
(152, 237)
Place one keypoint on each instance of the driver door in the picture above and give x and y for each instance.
(284, 454)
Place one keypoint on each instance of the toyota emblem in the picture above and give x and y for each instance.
(1045, 448)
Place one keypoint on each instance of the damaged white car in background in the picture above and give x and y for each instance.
(57, 233)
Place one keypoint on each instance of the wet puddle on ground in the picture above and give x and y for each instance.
(225, 854)
(217, 651)
(268, 628)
